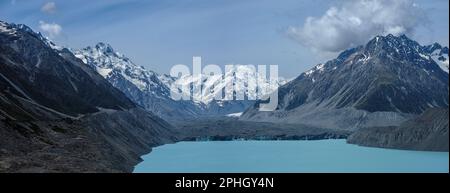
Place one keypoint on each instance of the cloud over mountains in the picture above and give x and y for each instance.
(354, 22)
(52, 29)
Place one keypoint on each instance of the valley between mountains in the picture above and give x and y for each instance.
(94, 110)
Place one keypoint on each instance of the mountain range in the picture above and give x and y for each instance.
(152, 90)
(146, 88)
(94, 110)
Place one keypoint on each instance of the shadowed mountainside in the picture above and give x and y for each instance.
(59, 115)
(427, 132)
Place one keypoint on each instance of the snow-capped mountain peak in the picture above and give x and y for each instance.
(108, 62)
(243, 79)
(402, 47)
(12, 29)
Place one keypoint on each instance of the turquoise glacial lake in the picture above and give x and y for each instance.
(287, 156)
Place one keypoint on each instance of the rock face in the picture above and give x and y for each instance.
(59, 115)
(383, 83)
(427, 132)
(439, 54)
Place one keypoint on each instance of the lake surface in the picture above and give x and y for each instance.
(287, 156)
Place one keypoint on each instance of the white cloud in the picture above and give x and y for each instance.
(52, 29)
(355, 22)
(49, 7)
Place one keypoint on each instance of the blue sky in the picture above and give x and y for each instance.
(159, 34)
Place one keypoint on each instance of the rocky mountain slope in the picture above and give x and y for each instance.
(428, 132)
(383, 83)
(59, 115)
